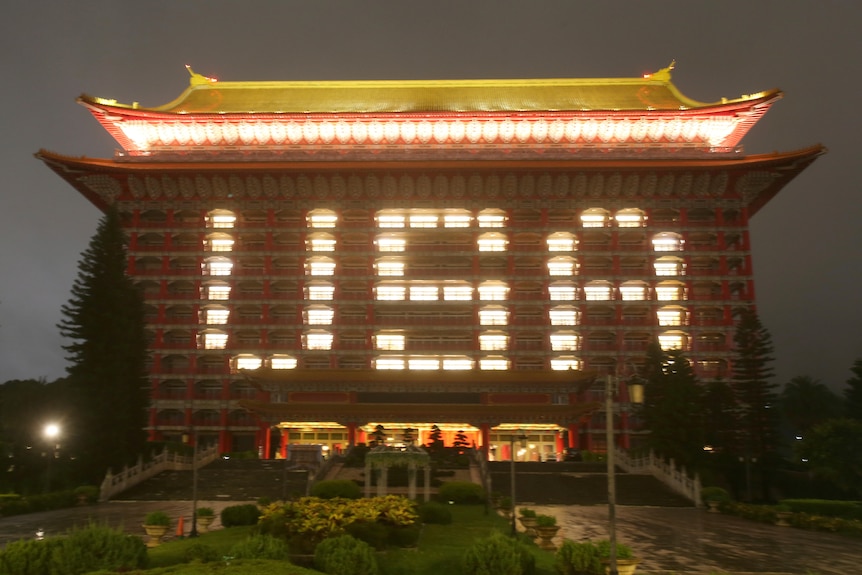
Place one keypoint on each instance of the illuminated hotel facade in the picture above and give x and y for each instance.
(319, 258)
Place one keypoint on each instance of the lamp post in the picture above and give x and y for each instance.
(51, 433)
(522, 438)
(193, 437)
(636, 395)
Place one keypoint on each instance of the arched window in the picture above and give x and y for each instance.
(671, 315)
(317, 339)
(320, 242)
(669, 266)
(216, 315)
(565, 341)
(494, 363)
(673, 340)
(493, 242)
(598, 290)
(282, 362)
(389, 267)
(670, 291)
(565, 362)
(247, 361)
(390, 219)
(564, 315)
(493, 315)
(390, 291)
(667, 242)
(630, 218)
(493, 291)
(218, 266)
(319, 291)
(633, 290)
(219, 242)
(562, 242)
(491, 218)
(562, 266)
(389, 362)
(321, 218)
(319, 315)
(390, 243)
(562, 291)
(493, 341)
(457, 292)
(220, 219)
(595, 218)
(457, 219)
(389, 341)
(320, 266)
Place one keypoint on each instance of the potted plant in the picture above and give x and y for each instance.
(546, 528)
(156, 524)
(87, 494)
(505, 506)
(626, 562)
(714, 497)
(783, 513)
(205, 517)
(528, 520)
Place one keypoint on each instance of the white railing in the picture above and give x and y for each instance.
(165, 461)
(667, 472)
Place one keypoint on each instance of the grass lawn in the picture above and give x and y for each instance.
(439, 551)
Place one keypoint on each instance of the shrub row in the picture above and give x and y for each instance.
(237, 515)
(498, 554)
(825, 507)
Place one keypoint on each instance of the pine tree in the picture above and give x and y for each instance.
(755, 394)
(105, 321)
(853, 393)
(673, 407)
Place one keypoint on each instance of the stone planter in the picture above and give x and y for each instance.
(624, 566)
(204, 522)
(713, 506)
(155, 532)
(546, 534)
(782, 518)
(529, 524)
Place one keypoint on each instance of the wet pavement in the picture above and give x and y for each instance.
(674, 540)
(689, 540)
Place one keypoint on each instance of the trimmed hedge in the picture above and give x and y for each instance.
(345, 555)
(825, 507)
(461, 492)
(237, 515)
(332, 488)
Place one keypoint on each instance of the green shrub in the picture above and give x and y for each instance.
(578, 558)
(199, 552)
(623, 551)
(87, 493)
(527, 512)
(493, 555)
(434, 512)
(715, 494)
(332, 488)
(238, 515)
(28, 557)
(404, 536)
(545, 521)
(371, 532)
(261, 547)
(825, 507)
(205, 512)
(345, 555)
(157, 518)
(461, 492)
(96, 547)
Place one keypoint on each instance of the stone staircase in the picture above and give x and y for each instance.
(576, 483)
(223, 479)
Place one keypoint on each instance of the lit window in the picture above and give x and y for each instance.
(390, 219)
(248, 362)
(672, 340)
(668, 266)
(221, 219)
(322, 219)
(670, 316)
(282, 362)
(669, 291)
(389, 363)
(630, 218)
(562, 291)
(492, 218)
(457, 363)
(594, 218)
(493, 341)
(423, 363)
(319, 291)
(562, 266)
(320, 266)
(633, 291)
(319, 315)
(494, 363)
(458, 292)
(215, 340)
(457, 219)
(389, 341)
(390, 292)
(493, 315)
(390, 243)
(217, 316)
(493, 242)
(562, 242)
(493, 291)
(318, 340)
(218, 266)
(565, 341)
(565, 362)
(218, 292)
(422, 292)
(390, 267)
(564, 315)
(423, 220)
(320, 242)
(598, 291)
(666, 242)
(220, 243)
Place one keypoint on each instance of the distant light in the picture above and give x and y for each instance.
(798, 438)
(52, 430)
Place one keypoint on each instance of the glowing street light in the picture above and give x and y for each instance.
(51, 432)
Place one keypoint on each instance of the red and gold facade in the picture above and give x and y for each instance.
(329, 256)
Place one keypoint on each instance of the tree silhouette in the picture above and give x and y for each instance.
(853, 393)
(105, 321)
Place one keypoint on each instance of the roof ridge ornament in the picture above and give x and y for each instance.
(662, 75)
(199, 79)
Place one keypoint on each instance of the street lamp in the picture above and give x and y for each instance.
(636, 396)
(51, 433)
(193, 437)
(522, 438)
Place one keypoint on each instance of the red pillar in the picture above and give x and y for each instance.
(574, 436)
(285, 435)
(485, 443)
(267, 444)
(351, 434)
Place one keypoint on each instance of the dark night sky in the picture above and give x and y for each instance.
(806, 242)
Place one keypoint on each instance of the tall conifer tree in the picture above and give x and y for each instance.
(853, 393)
(105, 321)
(755, 393)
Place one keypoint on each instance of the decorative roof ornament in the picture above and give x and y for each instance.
(199, 79)
(662, 75)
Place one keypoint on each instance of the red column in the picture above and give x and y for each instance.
(485, 443)
(351, 434)
(267, 444)
(285, 435)
(574, 436)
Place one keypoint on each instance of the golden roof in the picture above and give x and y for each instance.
(209, 96)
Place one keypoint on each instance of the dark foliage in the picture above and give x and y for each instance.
(236, 515)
